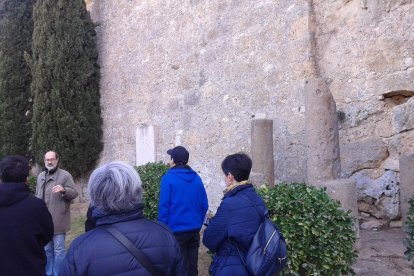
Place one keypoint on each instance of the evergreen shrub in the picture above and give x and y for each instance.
(151, 175)
(319, 234)
(31, 182)
(16, 28)
(65, 85)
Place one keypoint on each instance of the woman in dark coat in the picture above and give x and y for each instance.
(231, 231)
(116, 191)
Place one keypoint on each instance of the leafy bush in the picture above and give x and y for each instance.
(409, 230)
(151, 175)
(319, 234)
(31, 181)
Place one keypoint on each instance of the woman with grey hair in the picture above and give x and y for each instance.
(115, 191)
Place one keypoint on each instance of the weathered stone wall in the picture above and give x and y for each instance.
(199, 71)
(366, 54)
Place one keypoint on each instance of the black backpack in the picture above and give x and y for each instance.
(267, 254)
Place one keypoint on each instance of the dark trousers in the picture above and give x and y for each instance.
(189, 243)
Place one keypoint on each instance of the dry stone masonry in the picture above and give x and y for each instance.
(198, 72)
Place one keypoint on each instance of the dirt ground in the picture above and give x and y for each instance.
(381, 253)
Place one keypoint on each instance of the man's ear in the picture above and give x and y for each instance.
(230, 176)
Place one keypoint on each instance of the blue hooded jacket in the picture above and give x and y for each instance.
(183, 200)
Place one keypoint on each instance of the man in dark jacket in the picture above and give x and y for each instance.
(26, 224)
(183, 205)
(115, 191)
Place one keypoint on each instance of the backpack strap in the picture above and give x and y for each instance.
(266, 212)
(142, 259)
(261, 216)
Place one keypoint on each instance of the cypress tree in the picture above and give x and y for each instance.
(65, 85)
(16, 27)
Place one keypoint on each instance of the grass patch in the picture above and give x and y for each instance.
(77, 227)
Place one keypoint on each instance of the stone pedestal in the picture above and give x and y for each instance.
(406, 184)
(321, 128)
(345, 191)
(262, 150)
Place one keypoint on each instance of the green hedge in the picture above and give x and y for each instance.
(151, 175)
(319, 234)
(31, 181)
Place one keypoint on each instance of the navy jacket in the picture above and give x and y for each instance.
(183, 200)
(236, 222)
(97, 252)
(26, 227)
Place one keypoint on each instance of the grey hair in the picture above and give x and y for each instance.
(115, 187)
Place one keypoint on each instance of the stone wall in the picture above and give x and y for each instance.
(199, 71)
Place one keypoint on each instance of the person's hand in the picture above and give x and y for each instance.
(58, 189)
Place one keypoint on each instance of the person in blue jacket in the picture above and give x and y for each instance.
(183, 205)
(231, 231)
(115, 191)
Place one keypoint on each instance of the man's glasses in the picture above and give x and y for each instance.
(50, 160)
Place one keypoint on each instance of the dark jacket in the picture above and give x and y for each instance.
(26, 227)
(90, 224)
(183, 200)
(98, 253)
(236, 221)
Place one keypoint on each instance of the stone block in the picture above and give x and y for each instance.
(344, 190)
(406, 183)
(363, 215)
(379, 197)
(391, 164)
(369, 153)
(374, 224)
(262, 149)
(370, 209)
(401, 144)
(145, 145)
(403, 116)
(396, 224)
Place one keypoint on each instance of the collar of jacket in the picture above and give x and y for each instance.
(181, 167)
(237, 188)
(51, 172)
(51, 176)
(234, 185)
(11, 193)
(103, 218)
